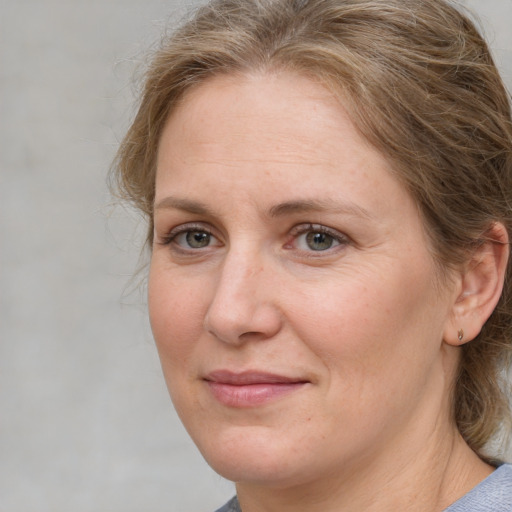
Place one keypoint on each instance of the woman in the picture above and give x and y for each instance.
(328, 190)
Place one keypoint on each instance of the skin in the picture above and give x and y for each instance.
(250, 170)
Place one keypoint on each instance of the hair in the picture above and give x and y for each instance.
(419, 83)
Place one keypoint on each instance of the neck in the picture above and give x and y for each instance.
(424, 480)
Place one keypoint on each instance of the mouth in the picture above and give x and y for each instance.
(250, 388)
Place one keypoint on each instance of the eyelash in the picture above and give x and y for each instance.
(303, 229)
(295, 233)
(171, 237)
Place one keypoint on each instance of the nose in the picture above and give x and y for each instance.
(243, 306)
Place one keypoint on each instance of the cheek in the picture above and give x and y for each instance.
(370, 329)
(340, 316)
(176, 314)
(377, 354)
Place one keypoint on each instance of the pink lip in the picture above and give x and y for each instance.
(251, 388)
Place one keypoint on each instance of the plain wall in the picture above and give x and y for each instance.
(85, 420)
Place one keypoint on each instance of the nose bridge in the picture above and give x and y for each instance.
(242, 303)
(239, 275)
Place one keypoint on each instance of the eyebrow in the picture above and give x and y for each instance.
(315, 205)
(186, 205)
(278, 210)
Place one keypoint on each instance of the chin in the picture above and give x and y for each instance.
(254, 455)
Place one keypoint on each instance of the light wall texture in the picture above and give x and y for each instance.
(85, 421)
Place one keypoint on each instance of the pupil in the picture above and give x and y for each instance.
(319, 241)
(198, 239)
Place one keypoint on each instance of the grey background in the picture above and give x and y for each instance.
(85, 420)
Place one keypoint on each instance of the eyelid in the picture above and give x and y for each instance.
(301, 229)
(320, 228)
(171, 236)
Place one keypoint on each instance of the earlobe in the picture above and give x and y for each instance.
(481, 285)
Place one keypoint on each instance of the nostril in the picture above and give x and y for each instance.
(253, 335)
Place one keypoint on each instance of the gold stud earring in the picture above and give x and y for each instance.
(460, 334)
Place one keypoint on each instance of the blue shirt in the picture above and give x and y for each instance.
(494, 494)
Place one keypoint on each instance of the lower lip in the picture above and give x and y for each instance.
(251, 395)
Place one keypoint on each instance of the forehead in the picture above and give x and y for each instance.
(269, 118)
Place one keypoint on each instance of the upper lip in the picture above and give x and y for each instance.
(250, 377)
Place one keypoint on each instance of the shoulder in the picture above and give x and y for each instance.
(492, 494)
(231, 506)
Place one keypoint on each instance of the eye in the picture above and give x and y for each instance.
(190, 237)
(317, 238)
(193, 239)
(317, 241)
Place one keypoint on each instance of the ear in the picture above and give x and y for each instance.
(480, 287)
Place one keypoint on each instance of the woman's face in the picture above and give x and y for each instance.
(292, 295)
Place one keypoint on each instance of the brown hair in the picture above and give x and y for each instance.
(421, 86)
